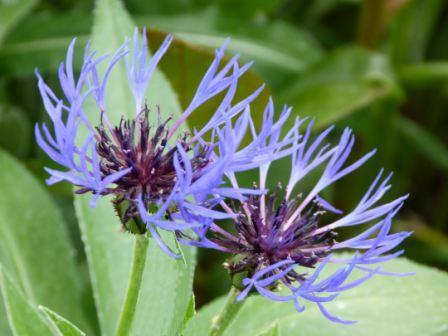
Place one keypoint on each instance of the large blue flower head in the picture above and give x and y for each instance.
(160, 178)
(285, 238)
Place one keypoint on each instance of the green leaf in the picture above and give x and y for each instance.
(166, 288)
(112, 25)
(23, 318)
(386, 306)
(343, 82)
(165, 7)
(185, 64)
(61, 326)
(424, 74)
(34, 244)
(425, 238)
(248, 8)
(4, 325)
(167, 283)
(28, 48)
(191, 309)
(11, 12)
(423, 141)
(318, 9)
(279, 49)
(15, 130)
(412, 29)
(22, 58)
(273, 330)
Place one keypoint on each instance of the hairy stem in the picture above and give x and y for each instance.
(135, 280)
(227, 315)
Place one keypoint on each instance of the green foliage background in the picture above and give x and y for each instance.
(380, 66)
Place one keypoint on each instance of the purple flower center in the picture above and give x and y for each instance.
(266, 241)
(142, 148)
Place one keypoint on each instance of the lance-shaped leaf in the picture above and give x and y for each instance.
(35, 247)
(60, 326)
(23, 317)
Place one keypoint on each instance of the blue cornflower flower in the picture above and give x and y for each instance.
(279, 236)
(159, 179)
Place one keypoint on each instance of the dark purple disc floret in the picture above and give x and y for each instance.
(144, 150)
(264, 242)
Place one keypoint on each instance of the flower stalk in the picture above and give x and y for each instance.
(127, 313)
(228, 313)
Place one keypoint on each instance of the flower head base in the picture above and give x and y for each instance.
(283, 239)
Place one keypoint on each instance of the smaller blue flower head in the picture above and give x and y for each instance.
(284, 239)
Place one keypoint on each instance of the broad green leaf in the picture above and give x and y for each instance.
(387, 306)
(425, 142)
(166, 288)
(343, 82)
(61, 326)
(34, 245)
(11, 12)
(24, 319)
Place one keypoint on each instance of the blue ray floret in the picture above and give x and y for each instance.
(147, 163)
(280, 236)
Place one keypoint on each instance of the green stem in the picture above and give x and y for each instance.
(227, 315)
(135, 280)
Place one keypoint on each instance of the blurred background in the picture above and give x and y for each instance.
(379, 66)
